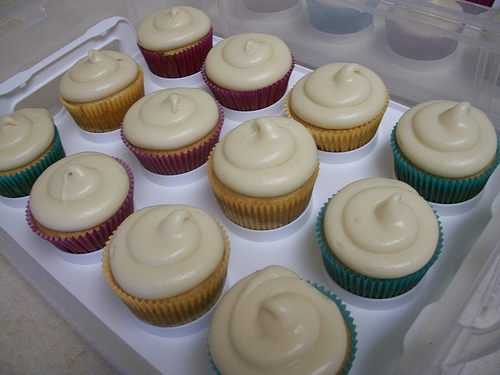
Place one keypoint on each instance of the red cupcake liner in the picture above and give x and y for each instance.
(249, 100)
(95, 238)
(174, 164)
(180, 64)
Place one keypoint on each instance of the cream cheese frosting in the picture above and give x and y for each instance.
(248, 61)
(447, 138)
(338, 96)
(381, 228)
(24, 135)
(265, 157)
(173, 28)
(79, 192)
(427, 18)
(169, 119)
(165, 250)
(98, 75)
(272, 322)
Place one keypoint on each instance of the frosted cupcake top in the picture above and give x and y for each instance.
(165, 250)
(79, 192)
(173, 28)
(248, 61)
(98, 75)
(447, 138)
(265, 157)
(427, 18)
(272, 322)
(381, 228)
(169, 119)
(24, 135)
(338, 96)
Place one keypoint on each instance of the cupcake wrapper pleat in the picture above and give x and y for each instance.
(174, 311)
(250, 100)
(106, 115)
(19, 184)
(182, 63)
(438, 189)
(365, 286)
(96, 238)
(172, 162)
(261, 214)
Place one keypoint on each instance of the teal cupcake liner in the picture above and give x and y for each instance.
(19, 184)
(345, 313)
(439, 189)
(365, 286)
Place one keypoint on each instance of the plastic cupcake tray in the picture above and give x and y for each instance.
(420, 331)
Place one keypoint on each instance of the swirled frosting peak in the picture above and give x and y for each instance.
(169, 119)
(266, 157)
(79, 192)
(381, 228)
(248, 61)
(272, 322)
(449, 139)
(338, 96)
(98, 75)
(24, 136)
(165, 250)
(172, 28)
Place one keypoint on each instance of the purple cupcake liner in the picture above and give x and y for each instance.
(180, 64)
(19, 184)
(96, 238)
(439, 189)
(174, 164)
(250, 100)
(416, 47)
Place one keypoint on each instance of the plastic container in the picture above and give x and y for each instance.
(75, 286)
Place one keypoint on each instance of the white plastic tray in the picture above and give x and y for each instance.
(75, 287)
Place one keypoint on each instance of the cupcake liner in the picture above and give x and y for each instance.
(19, 184)
(487, 3)
(107, 114)
(181, 62)
(261, 213)
(266, 6)
(174, 311)
(83, 242)
(337, 20)
(439, 189)
(349, 323)
(364, 286)
(339, 140)
(249, 100)
(174, 162)
(417, 47)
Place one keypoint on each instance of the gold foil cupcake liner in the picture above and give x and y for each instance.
(339, 140)
(107, 114)
(261, 213)
(178, 310)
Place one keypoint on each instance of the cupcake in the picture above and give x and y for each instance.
(378, 237)
(29, 143)
(341, 104)
(248, 71)
(273, 322)
(263, 172)
(172, 131)
(167, 263)
(334, 18)
(99, 89)
(446, 150)
(419, 41)
(78, 201)
(265, 6)
(175, 41)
